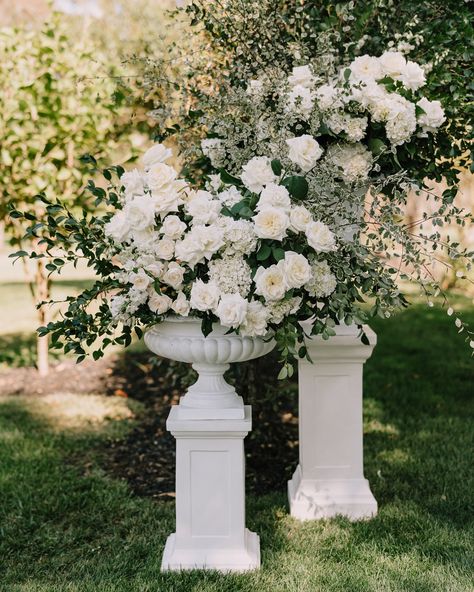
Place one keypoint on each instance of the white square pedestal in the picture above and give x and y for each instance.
(329, 479)
(210, 496)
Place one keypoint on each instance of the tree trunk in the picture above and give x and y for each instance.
(42, 294)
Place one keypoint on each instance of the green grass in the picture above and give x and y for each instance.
(62, 530)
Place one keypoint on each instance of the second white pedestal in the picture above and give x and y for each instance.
(329, 479)
(210, 496)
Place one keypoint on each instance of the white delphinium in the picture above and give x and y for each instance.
(301, 76)
(257, 173)
(232, 310)
(136, 298)
(181, 305)
(159, 303)
(239, 235)
(155, 155)
(300, 100)
(256, 320)
(173, 227)
(231, 274)
(320, 237)
(174, 275)
(230, 196)
(296, 268)
(322, 282)
(276, 196)
(300, 217)
(281, 309)
(117, 306)
(304, 151)
(353, 161)
(270, 282)
(204, 296)
(271, 223)
(200, 243)
(203, 208)
(213, 148)
(433, 116)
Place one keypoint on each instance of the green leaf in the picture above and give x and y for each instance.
(377, 146)
(278, 253)
(264, 253)
(276, 167)
(228, 179)
(297, 186)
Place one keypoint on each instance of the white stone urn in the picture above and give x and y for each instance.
(211, 396)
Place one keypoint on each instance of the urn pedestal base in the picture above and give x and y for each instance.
(210, 496)
(329, 480)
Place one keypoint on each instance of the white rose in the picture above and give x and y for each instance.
(297, 269)
(271, 223)
(118, 227)
(166, 202)
(159, 303)
(232, 310)
(156, 268)
(204, 296)
(155, 155)
(320, 238)
(302, 76)
(160, 178)
(173, 227)
(365, 68)
(276, 196)
(164, 249)
(201, 242)
(174, 275)
(304, 151)
(433, 116)
(257, 173)
(140, 280)
(300, 99)
(181, 305)
(300, 217)
(413, 76)
(140, 212)
(203, 208)
(132, 182)
(393, 64)
(328, 97)
(270, 283)
(144, 239)
(255, 323)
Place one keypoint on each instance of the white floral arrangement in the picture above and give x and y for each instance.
(288, 225)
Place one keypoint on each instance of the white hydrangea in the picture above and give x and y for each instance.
(354, 127)
(230, 196)
(353, 161)
(322, 282)
(231, 274)
(301, 76)
(239, 235)
(279, 310)
(328, 97)
(401, 120)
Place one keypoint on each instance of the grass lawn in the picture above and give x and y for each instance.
(63, 528)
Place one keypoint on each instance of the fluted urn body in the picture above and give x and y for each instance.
(211, 396)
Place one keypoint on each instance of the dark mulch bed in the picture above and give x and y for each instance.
(146, 457)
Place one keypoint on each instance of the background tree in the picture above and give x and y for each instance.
(52, 112)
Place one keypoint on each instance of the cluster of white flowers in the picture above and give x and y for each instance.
(183, 251)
